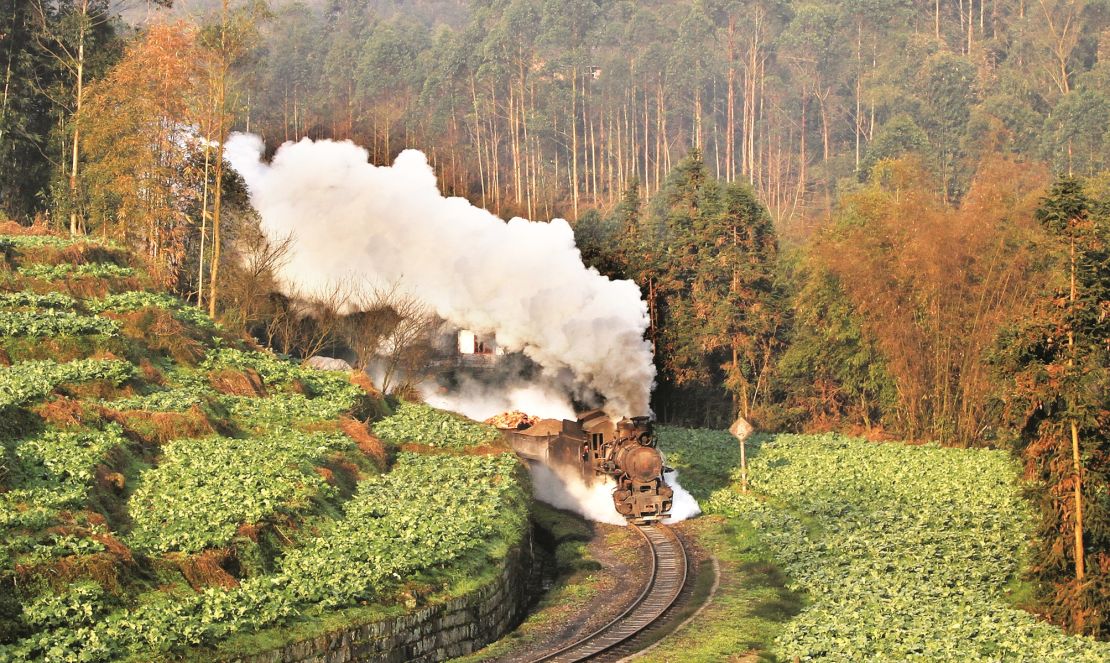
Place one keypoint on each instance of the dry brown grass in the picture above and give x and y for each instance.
(327, 475)
(245, 382)
(108, 480)
(10, 227)
(361, 379)
(367, 442)
(5, 360)
(250, 531)
(103, 568)
(161, 332)
(65, 412)
(85, 287)
(151, 373)
(75, 254)
(95, 390)
(160, 427)
(205, 569)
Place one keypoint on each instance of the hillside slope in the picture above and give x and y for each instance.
(166, 488)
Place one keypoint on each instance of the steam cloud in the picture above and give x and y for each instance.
(566, 491)
(481, 401)
(523, 281)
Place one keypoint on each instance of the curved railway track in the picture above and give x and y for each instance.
(668, 576)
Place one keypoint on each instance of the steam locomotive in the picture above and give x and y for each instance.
(595, 446)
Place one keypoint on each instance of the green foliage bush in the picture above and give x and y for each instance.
(50, 322)
(205, 488)
(30, 380)
(420, 424)
(904, 551)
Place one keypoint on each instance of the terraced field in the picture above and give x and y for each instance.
(167, 490)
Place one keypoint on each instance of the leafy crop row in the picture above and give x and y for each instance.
(134, 300)
(27, 381)
(421, 424)
(205, 488)
(64, 270)
(904, 551)
(51, 322)
(283, 409)
(26, 298)
(281, 371)
(53, 241)
(67, 457)
(54, 469)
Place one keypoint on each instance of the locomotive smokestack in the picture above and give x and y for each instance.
(523, 281)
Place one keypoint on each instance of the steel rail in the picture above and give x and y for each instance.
(668, 576)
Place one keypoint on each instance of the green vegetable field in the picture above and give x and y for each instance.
(169, 492)
(901, 552)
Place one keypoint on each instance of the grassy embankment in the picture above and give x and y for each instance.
(849, 550)
(168, 490)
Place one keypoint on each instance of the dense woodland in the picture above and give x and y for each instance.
(882, 216)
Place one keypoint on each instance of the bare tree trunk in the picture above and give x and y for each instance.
(859, 76)
(1080, 562)
(594, 168)
(730, 110)
(203, 226)
(478, 137)
(7, 79)
(574, 138)
(75, 226)
(647, 147)
(220, 101)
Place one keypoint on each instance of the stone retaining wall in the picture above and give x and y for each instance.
(428, 634)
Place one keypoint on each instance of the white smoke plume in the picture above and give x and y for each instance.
(523, 281)
(481, 401)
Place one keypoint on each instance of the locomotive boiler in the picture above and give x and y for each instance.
(594, 447)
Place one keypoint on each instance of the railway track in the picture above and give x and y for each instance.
(668, 576)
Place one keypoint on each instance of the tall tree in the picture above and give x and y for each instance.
(69, 31)
(227, 41)
(25, 113)
(1059, 362)
(141, 143)
(737, 297)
